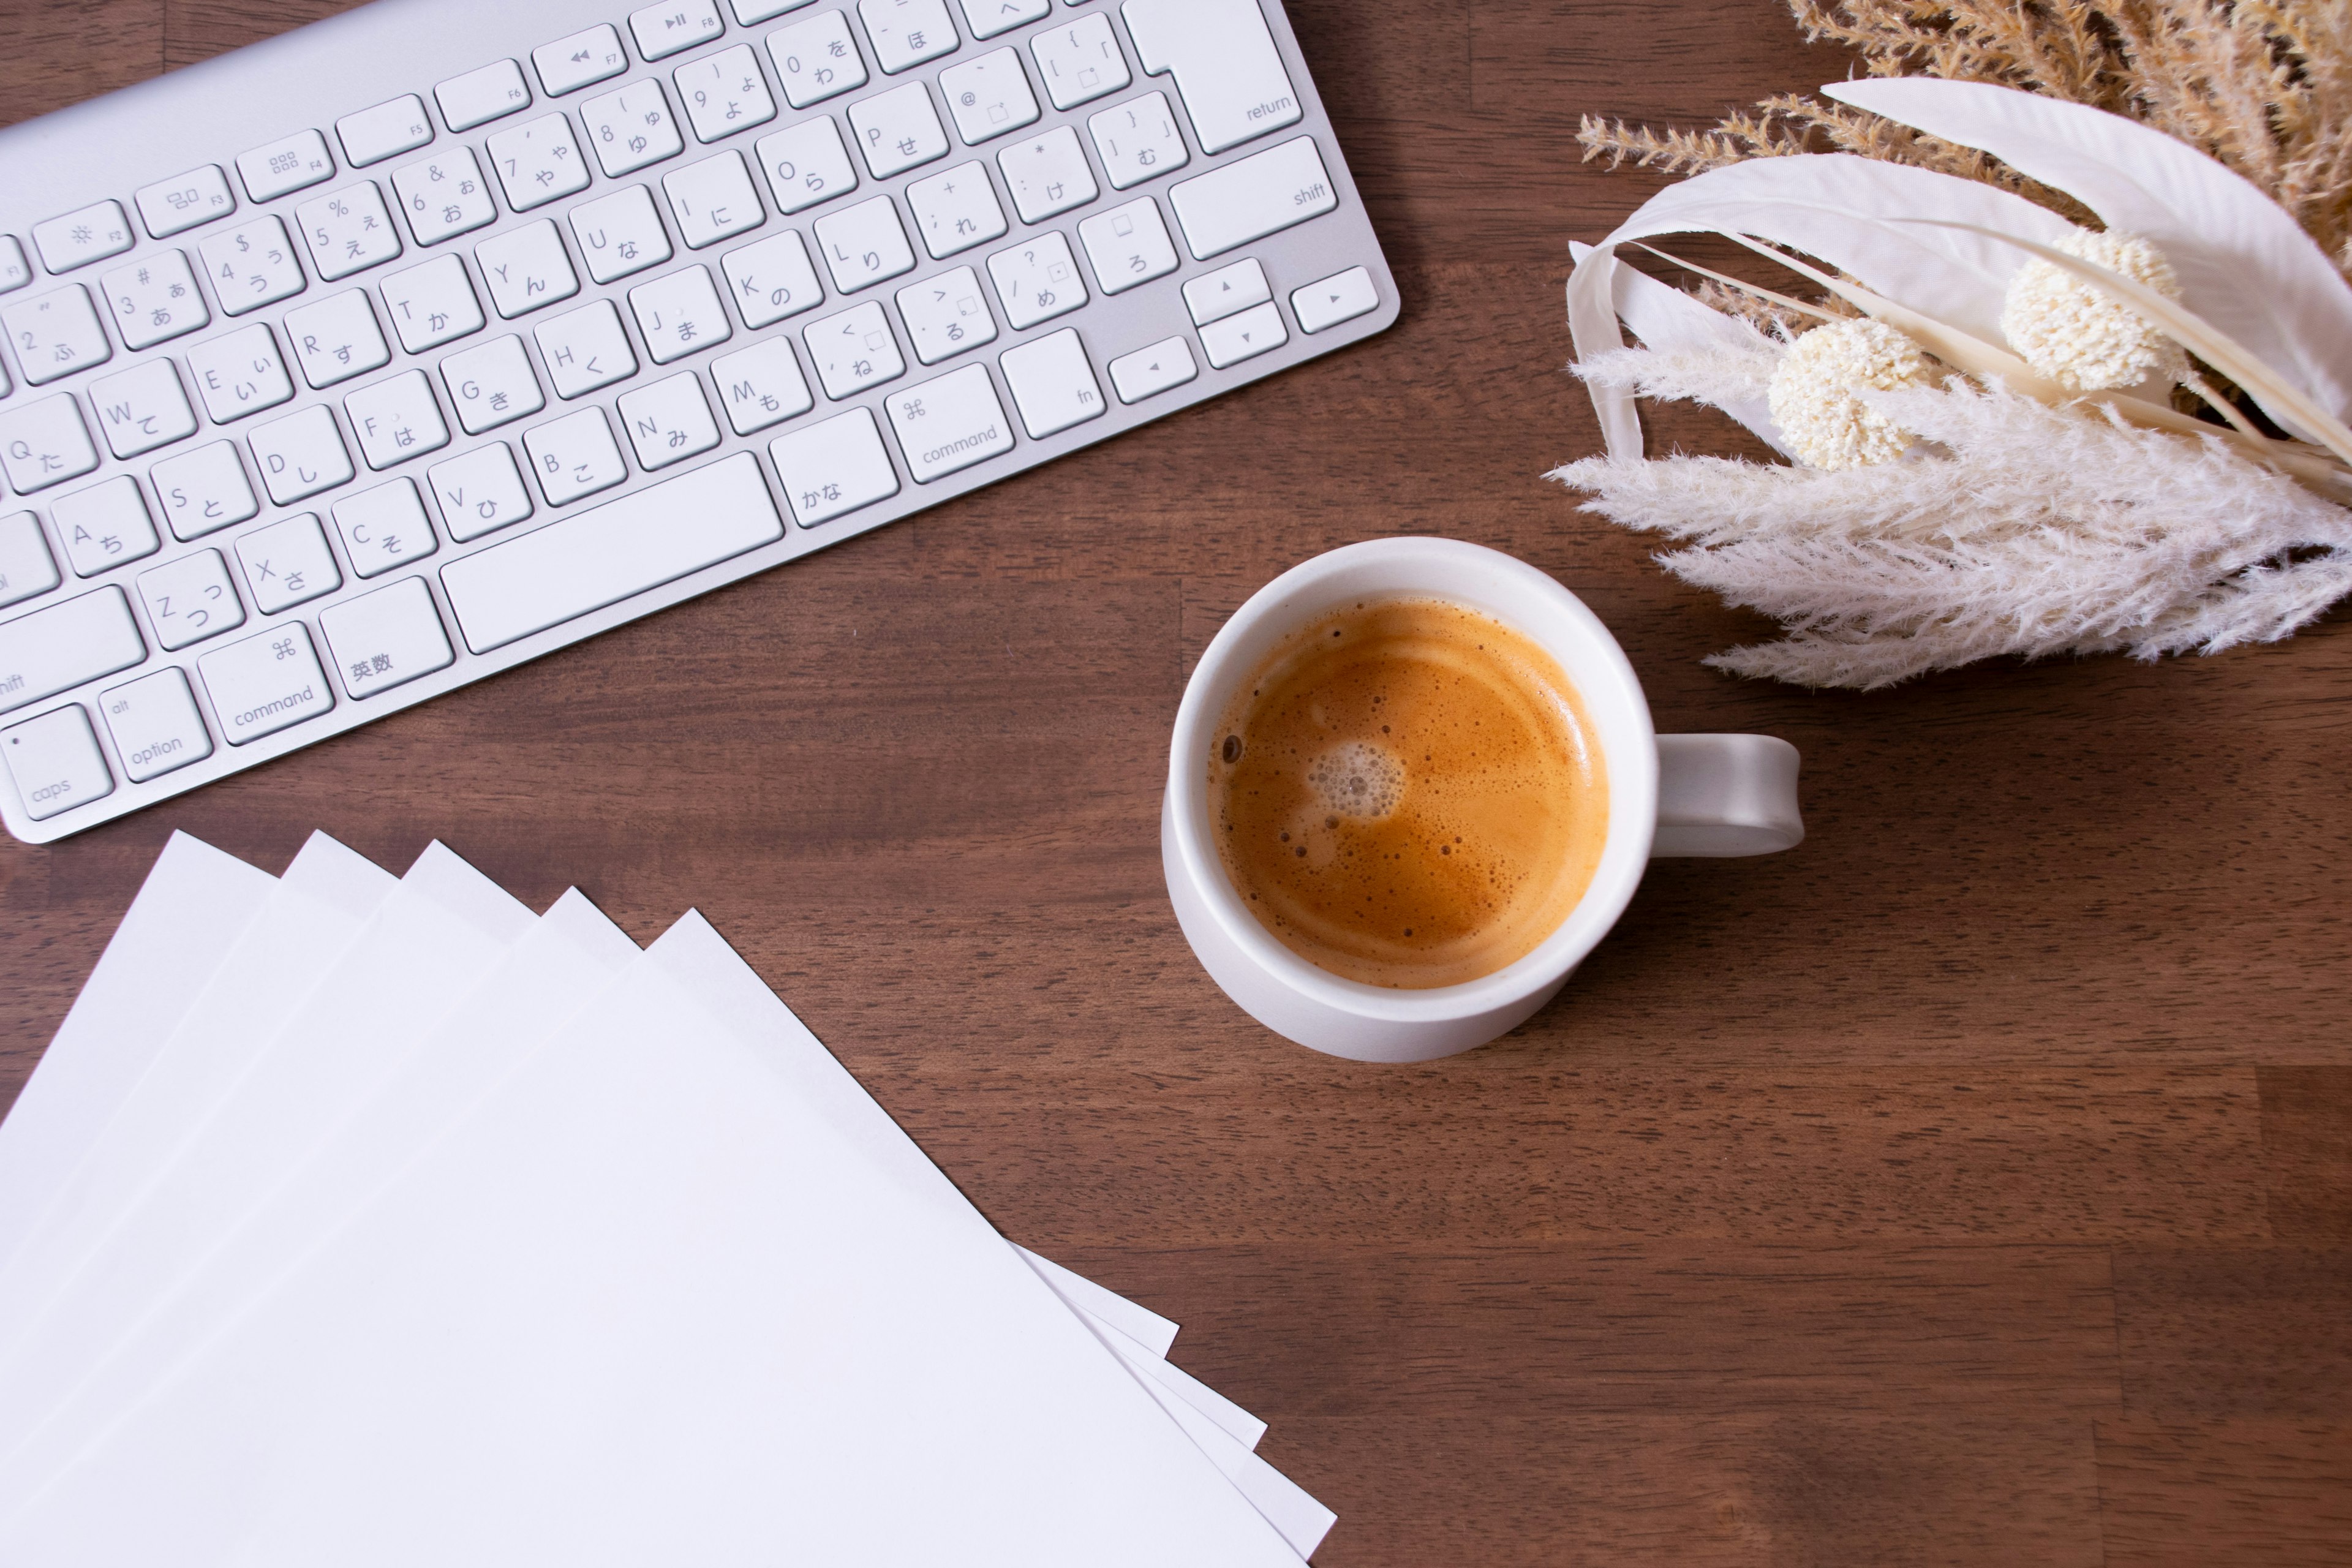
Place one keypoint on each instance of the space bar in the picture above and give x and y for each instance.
(600, 557)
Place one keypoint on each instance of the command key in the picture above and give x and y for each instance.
(264, 683)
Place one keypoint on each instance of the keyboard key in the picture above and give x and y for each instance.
(631, 128)
(27, 567)
(956, 210)
(806, 164)
(1340, 298)
(155, 299)
(607, 553)
(1226, 68)
(1048, 174)
(266, 683)
(432, 304)
(348, 231)
(585, 349)
(833, 468)
(713, 200)
(105, 526)
(90, 234)
(240, 374)
(143, 408)
(668, 422)
(1261, 194)
(853, 350)
(491, 384)
(573, 62)
(526, 269)
(1147, 373)
(285, 165)
(200, 195)
(950, 424)
(1037, 281)
(1052, 385)
(396, 420)
(14, 271)
(761, 385)
(905, 33)
(1254, 331)
(252, 265)
(482, 95)
(724, 93)
(751, 13)
(386, 638)
(385, 528)
(337, 339)
(55, 334)
(989, 97)
(620, 233)
(44, 444)
(300, 455)
(481, 492)
(57, 649)
(900, 130)
(444, 194)
(288, 564)
(55, 762)
(190, 599)
(384, 131)
(203, 491)
(1081, 62)
(946, 315)
(680, 315)
(155, 724)
(864, 245)
(1129, 246)
(575, 456)
(538, 162)
(986, 18)
(772, 280)
(1138, 141)
(675, 25)
(1226, 291)
(816, 60)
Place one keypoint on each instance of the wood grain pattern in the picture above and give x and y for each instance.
(1973, 1184)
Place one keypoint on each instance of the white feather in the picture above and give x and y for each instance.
(1669, 321)
(2244, 264)
(1833, 207)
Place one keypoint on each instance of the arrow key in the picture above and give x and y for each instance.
(1149, 371)
(1256, 331)
(1227, 291)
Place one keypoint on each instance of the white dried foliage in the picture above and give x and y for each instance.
(1819, 394)
(2082, 337)
(2016, 529)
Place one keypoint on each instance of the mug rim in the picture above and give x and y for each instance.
(1595, 665)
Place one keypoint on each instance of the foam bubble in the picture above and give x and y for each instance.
(1358, 779)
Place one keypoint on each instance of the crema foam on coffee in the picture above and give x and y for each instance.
(1407, 792)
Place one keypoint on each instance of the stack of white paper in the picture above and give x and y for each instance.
(354, 1220)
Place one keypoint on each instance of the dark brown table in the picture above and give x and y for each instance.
(1972, 1184)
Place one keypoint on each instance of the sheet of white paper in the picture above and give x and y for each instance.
(188, 914)
(1141, 1324)
(645, 1196)
(316, 909)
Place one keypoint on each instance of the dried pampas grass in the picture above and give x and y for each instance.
(2015, 528)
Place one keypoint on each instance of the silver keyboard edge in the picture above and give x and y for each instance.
(105, 132)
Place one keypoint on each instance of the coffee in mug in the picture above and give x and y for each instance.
(1408, 793)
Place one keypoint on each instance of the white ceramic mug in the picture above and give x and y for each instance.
(1668, 794)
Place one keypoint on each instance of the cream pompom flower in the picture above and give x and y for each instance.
(2078, 335)
(1813, 394)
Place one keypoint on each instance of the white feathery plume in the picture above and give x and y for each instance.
(2021, 530)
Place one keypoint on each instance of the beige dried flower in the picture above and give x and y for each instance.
(2081, 337)
(1814, 395)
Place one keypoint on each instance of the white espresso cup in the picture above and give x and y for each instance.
(1668, 794)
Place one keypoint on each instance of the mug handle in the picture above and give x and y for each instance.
(1721, 796)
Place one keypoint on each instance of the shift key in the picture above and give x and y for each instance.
(57, 649)
(1261, 194)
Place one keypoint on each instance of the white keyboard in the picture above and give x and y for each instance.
(358, 364)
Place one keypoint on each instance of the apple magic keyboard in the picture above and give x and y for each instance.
(354, 365)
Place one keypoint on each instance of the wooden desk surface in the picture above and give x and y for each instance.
(1972, 1184)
